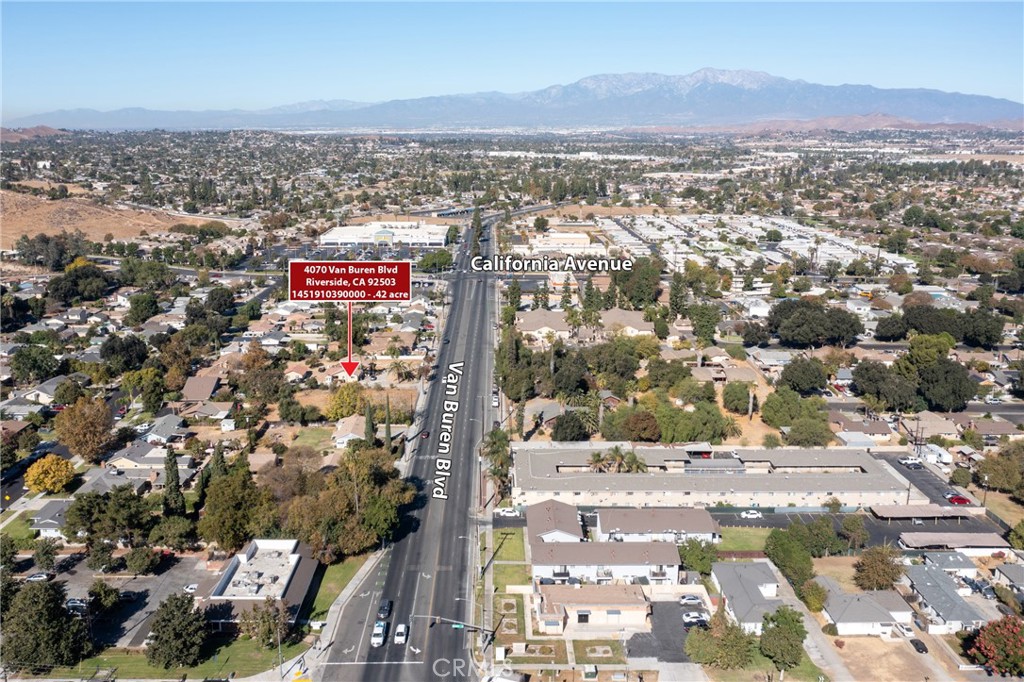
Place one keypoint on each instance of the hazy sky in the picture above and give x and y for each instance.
(196, 55)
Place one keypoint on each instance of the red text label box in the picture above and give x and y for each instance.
(356, 281)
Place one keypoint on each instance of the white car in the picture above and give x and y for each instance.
(694, 616)
(908, 460)
(904, 630)
(380, 632)
(401, 633)
(191, 589)
(507, 511)
(751, 514)
(691, 600)
(142, 428)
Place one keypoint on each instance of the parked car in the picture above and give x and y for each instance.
(689, 616)
(751, 514)
(401, 633)
(39, 578)
(915, 466)
(908, 460)
(919, 646)
(384, 610)
(988, 592)
(951, 493)
(380, 633)
(507, 511)
(191, 589)
(904, 630)
(691, 600)
(959, 500)
(425, 435)
(1005, 610)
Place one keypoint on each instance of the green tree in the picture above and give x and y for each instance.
(141, 561)
(39, 632)
(266, 623)
(878, 568)
(790, 555)
(142, 307)
(569, 427)
(177, 634)
(946, 386)
(782, 639)
(1016, 536)
(45, 556)
(699, 556)
(809, 432)
(814, 596)
(853, 531)
(34, 364)
(174, 499)
(175, 532)
(230, 501)
(736, 397)
(8, 552)
(103, 595)
(962, 478)
(705, 319)
(370, 428)
(804, 375)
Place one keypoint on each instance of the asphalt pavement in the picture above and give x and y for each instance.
(427, 573)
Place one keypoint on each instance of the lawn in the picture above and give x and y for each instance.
(224, 656)
(580, 648)
(805, 672)
(500, 615)
(317, 438)
(737, 539)
(509, 542)
(19, 531)
(335, 578)
(510, 574)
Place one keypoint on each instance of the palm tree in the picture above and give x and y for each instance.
(634, 464)
(732, 428)
(400, 369)
(616, 459)
(598, 464)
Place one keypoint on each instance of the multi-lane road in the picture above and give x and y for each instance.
(428, 571)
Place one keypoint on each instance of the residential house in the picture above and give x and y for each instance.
(626, 322)
(606, 562)
(750, 590)
(199, 389)
(552, 521)
(295, 372)
(649, 524)
(1011, 575)
(580, 611)
(954, 563)
(48, 520)
(543, 326)
(939, 598)
(44, 393)
(349, 429)
(863, 613)
(167, 429)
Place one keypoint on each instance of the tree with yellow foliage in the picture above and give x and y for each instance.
(50, 474)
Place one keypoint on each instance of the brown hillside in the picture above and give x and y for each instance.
(25, 214)
(19, 134)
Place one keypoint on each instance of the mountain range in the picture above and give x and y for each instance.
(709, 97)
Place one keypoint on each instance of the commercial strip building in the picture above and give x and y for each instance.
(412, 234)
(682, 476)
(281, 570)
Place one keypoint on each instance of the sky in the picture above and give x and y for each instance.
(198, 55)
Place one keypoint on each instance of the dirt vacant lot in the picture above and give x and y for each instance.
(871, 658)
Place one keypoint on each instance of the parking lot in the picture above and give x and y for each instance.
(128, 624)
(667, 639)
(925, 479)
(880, 531)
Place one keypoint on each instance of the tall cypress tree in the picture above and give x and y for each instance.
(387, 424)
(174, 500)
(370, 434)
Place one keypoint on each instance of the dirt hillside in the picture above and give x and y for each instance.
(25, 214)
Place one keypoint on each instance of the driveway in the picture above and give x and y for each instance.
(666, 640)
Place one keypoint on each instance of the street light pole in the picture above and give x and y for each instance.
(984, 499)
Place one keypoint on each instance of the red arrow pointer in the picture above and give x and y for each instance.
(350, 366)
